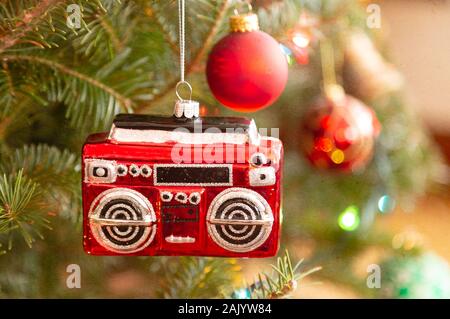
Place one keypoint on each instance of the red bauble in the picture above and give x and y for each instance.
(340, 134)
(247, 71)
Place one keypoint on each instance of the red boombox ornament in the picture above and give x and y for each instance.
(160, 185)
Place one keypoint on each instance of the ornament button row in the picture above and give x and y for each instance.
(193, 198)
(134, 170)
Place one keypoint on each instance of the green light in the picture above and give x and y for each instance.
(288, 53)
(290, 60)
(348, 220)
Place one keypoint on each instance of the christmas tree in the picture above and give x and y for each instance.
(67, 67)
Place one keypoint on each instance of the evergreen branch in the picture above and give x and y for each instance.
(125, 102)
(8, 94)
(158, 96)
(193, 277)
(27, 23)
(57, 172)
(279, 16)
(279, 284)
(117, 43)
(166, 34)
(22, 209)
(9, 81)
(4, 123)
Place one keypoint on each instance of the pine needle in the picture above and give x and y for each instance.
(281, 282)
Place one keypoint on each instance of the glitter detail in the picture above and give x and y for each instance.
(192, 196)
(149, 171)
(124, 169)
(156, 183)
(180, 239)
(164, 194)
(92, 163)
(262, 176)
(135, 207)
(136, 169)
(222, 221)
(258, 159)
(181, 197)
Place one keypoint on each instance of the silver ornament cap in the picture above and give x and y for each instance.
(186, 109)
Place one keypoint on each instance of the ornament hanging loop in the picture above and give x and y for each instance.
(177, 90)
(185, 108)
(240, 5)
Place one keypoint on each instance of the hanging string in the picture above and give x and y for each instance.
(181, 32)
(327, 61)
(330, 86)
(182, 43)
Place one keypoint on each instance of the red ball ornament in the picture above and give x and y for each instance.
(247, 70)
(339, 134)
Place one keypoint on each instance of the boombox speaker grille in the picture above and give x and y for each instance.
(122, 220)
(239, 220)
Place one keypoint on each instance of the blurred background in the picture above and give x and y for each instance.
(415, 34)
(364, 120)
